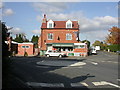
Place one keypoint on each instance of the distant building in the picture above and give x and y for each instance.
(97, 47)
(62, 36)
(19, 49)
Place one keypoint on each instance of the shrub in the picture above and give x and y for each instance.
(114, 47)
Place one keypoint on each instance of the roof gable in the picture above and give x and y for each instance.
(61, 24)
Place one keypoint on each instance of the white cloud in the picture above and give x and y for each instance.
(106, 20)
(1, 5)
(94, 35)
(36, 31)
(15, 31)
(8, 12)
(50, 7)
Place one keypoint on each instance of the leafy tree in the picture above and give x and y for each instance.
(96, 43)
(114, 36)
(88, 43)
(114, 47)
(103, 45)
(5, 53)
(20, 38)
(35, 40)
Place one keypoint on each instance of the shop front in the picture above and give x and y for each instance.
(71, 49)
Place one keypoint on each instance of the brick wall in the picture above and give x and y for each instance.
(61, 33)
(21, 50)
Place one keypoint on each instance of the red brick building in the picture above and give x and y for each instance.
(60, 35)
(25, 47)
(19, 49)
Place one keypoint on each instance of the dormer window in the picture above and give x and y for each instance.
(68, 24)
(50, 24)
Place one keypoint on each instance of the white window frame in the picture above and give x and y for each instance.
(68, 24)
(68, 36)
(50, 22)
(48, 36)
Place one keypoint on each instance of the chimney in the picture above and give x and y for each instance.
(44, 19)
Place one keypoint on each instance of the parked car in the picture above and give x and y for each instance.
(54, 53)
(93, 51)
(118, 52)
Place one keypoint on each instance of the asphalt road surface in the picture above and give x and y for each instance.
(95, 71)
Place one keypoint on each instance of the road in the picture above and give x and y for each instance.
(96, 71)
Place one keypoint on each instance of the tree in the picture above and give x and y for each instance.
(114, 36)
(86, 41)
(103, 45)
(20, 38)
(35, 40)
(6, 62)
(96, 43)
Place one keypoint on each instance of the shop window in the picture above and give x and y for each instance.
(80, 46)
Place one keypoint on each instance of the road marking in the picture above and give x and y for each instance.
(105, 83)
(115, 62)
(118, 79)
(102, 61)
(81, 84)
(94, 63)
(109, 61)
(99, 83)
(78, 64)
(35, 84)
(72, 67)
(85, 84)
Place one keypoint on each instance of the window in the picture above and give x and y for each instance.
(68, 24)
(80, 46)
(50, 36)
(50, 25)
(68, 36)
(25, 46)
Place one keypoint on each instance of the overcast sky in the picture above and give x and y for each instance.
(95, 18)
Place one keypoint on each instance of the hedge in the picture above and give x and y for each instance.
(114, 47)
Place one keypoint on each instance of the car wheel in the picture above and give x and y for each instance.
(60, 56)
(48, 55)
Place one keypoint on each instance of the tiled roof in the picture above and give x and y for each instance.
(61, 24)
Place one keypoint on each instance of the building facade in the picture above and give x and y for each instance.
(60, 35)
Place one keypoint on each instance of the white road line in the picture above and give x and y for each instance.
(35, 84)
(71, 67)
(79, 84)
(118, 79)
(78, 64)
(102, 61)
(99, 83)
(94, 63)
(85, 84)
(115, 62)
(105, 83)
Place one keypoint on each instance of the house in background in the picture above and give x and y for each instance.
(25, 47)
(62, 36)
(19, 49)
